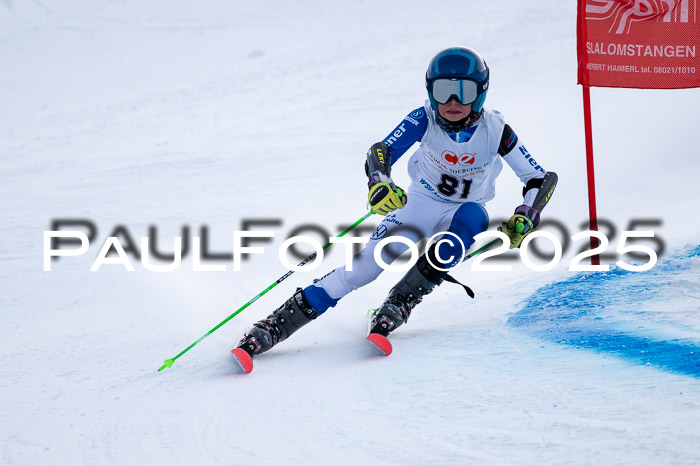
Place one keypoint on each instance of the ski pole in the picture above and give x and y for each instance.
(481, 249)
(169, 362)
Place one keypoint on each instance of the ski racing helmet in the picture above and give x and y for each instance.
(458, 72)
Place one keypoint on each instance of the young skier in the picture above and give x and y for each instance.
(453, 174)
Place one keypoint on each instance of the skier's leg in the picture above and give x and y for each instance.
(278, 326)
(328, 290)
(314, 300)
(413, 222)
(305, 305)
(465, 221)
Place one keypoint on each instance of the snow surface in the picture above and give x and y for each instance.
(173, 113)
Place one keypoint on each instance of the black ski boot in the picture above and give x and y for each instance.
(419, 281)
(287, 319)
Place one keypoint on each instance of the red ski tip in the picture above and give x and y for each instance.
(380, 342)
(243, 359)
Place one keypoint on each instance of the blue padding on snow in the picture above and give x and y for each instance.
(626, 314)
(318, 299)
(469, 220)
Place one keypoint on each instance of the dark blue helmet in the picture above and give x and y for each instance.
(462, 73)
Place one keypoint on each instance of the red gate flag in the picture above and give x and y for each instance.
(647, 44)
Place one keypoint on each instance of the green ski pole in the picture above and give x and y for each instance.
(169, 362)
(481, 249)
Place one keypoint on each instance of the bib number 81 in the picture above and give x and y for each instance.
(449, 184)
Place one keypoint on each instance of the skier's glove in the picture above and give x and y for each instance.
(384, 196)
(522, 223)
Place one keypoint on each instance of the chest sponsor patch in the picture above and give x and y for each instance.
(459, 164)
(465, 159)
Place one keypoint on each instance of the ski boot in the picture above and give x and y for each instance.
(419, 281)
(277, 327)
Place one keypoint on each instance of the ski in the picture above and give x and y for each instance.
(380, 342)
(243, 359)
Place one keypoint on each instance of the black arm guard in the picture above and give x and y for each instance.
(509, 140)
(549, 183)
(379, 159)
(535, 183)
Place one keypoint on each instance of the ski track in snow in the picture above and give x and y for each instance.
(177, 114)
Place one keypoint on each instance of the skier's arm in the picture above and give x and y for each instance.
(525, 167)
(384, 195)
(407, 133)
(539, 186)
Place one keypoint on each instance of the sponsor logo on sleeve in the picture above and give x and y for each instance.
(530, 160)
(411, 118)
(396, 134)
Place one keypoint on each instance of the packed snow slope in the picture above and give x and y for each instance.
(181, 115)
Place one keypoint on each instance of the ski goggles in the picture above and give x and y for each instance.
(465, 90)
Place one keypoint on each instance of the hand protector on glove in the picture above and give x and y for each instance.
(384, 196)
(522, 223)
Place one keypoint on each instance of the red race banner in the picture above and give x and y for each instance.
(648, 44)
